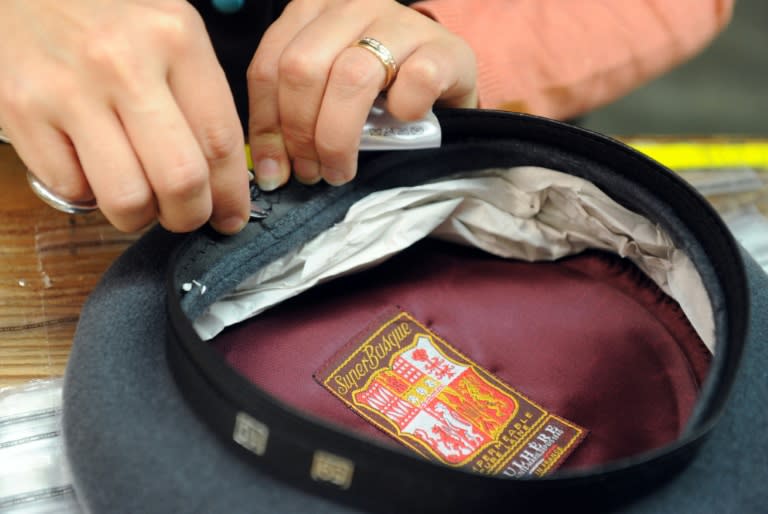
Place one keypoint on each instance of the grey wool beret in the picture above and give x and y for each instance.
(441, 376)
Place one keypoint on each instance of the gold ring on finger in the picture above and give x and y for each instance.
(383, 54)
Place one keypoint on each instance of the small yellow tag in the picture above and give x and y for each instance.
(248, 158)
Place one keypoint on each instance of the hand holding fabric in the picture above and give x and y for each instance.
(124, 101)
(311, 86)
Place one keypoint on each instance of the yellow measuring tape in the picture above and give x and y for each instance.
(681, 155)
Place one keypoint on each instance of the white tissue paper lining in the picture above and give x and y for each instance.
(528, 213)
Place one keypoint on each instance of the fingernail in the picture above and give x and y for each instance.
(335, 177)
(268, 175)
(309, 182)
(306, 170)
(230, 226)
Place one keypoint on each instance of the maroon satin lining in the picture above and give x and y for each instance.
(589, 338)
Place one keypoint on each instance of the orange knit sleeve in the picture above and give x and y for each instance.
(562, 58)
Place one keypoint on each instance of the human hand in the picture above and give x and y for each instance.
(124, 100)
(310, 88)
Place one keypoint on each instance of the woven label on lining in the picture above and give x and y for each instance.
(404, 379)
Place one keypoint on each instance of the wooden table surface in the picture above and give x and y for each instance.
(49, 262)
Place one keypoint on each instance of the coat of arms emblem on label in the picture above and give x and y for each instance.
(415, 387)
